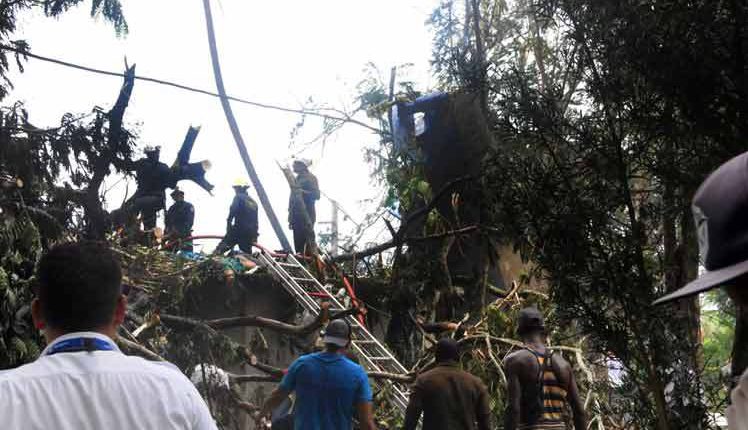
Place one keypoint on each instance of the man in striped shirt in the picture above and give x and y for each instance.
(540, 383)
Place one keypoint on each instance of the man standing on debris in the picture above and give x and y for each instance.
(82, 380)
(241, 225)
(720, 211)
(179, 219)
(328, 386)
(153, 177)
(540, 383)
(307, 186)
(449, 397)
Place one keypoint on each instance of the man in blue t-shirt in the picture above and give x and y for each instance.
(328, 387)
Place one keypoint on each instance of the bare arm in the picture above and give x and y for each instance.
(514, 390)
(575, 401)
(366, 416)
(275, 399)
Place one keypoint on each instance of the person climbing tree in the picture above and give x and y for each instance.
(153, 177)
(241, 225)
(179, 219)
(540, 384)
(301, 211)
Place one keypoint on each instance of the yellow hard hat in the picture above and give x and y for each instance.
(240, 183)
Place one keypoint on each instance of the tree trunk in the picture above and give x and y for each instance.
(480, 57)
(96, 217)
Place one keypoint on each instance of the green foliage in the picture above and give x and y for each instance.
(718, 326)
(20, 246)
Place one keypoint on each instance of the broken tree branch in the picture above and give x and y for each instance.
(138, 349)
(258, 321)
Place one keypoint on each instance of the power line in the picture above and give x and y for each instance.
(345, 118)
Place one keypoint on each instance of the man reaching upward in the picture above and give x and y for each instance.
(541, 383)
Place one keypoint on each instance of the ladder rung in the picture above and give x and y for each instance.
(364, 341)
(303, 279)
(379, 358)
(287, 264)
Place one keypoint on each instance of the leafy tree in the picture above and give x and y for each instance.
(49, 180)
(602, 140)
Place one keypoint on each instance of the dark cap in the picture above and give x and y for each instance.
(337, 332)
(530, 319)
(720, 212)
(447, 349)
(176, 191)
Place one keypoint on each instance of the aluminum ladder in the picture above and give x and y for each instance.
(309, 293)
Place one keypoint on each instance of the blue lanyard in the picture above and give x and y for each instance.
(79, 344)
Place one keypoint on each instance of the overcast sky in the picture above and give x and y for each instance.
(278, 52)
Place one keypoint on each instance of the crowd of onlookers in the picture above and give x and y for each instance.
(83, 381)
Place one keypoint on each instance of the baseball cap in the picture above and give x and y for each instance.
(337, 332)
(530, 319)
(720, 212)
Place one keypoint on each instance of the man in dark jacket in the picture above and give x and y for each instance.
(241, 225)
(153, 177)
(301, 203)
(450, 398)
(179, 219)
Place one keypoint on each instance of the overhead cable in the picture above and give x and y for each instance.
(345, 118)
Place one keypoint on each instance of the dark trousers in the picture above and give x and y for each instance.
(146, 206)
(300, 238)
(236, 236)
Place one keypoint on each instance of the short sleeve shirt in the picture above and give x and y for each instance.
(328, 387)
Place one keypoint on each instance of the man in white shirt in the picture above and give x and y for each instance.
(82, 380)
(720, 211)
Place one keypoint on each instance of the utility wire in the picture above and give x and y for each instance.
(345, 118)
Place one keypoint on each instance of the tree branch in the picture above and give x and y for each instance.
(258, 321)
(398, 238)
(241, 379)
(138, 349)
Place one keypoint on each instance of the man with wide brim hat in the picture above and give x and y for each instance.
(241, 224)
(179, 220)
(720, 211)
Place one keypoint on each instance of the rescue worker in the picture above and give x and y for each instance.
(241, 225)
(153, 177)
(179, 220)
(540, 383)
(306, 184)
